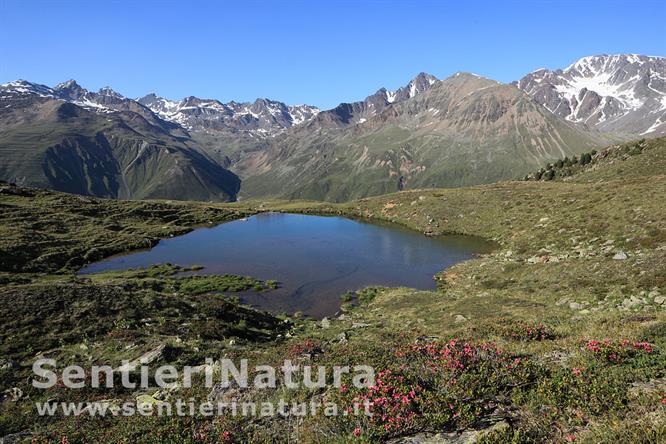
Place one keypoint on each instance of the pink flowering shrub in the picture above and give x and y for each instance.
(207, 433)
(437, 385)
(305, 347)
(617, 351)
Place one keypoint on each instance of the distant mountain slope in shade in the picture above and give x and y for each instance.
(613, 93)
(101, 144)
(461, 131)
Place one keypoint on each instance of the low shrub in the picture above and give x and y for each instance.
(437, 386)
(616, 351)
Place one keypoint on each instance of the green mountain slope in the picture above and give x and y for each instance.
(464, 130)
(642, 158)
(122, 154)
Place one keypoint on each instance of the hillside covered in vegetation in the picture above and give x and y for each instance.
(559, 335)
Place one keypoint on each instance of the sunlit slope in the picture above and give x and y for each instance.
(464, 130)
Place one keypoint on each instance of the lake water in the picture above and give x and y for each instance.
(316, 259)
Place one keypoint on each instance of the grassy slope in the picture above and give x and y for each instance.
(555, 265)
(557, 238)
(43, 231)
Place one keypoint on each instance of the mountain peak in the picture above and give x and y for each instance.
(618, 92)
(416, 86)
(17, 83)
(70, 90)
(604, 60)
(263, 101)
(466, 74)
(424, 76)
(149, 96)
(71, 83)
(24, 87)
(109, 92)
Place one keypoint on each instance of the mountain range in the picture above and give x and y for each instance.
(613, 93)
(462, 130)
(69, 139)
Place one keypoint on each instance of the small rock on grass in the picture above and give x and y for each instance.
(360, 325)
(653, 294)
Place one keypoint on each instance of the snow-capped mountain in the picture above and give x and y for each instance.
(103, 144)
(20, 87)
(261, 118)
(462, 130)
(106, 100)
(267, 118)
(614, 93)
(69, 91)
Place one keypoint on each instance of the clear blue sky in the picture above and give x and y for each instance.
(317, 52)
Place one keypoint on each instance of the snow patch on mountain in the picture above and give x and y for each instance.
(261, 118)
(63, 91)
(419, 84)
(625, 92)
(23, 87)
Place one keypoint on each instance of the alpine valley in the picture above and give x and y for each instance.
(494, 252)
(459, 131)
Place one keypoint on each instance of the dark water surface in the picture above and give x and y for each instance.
(315, 258)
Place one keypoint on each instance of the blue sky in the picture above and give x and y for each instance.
(317, 52)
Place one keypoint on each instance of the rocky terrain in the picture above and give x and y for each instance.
(614, 93)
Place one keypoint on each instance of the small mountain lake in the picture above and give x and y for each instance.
(316, 259)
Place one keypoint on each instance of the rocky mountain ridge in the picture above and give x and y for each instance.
(262, 118)
(69, 139)
(613, 93)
